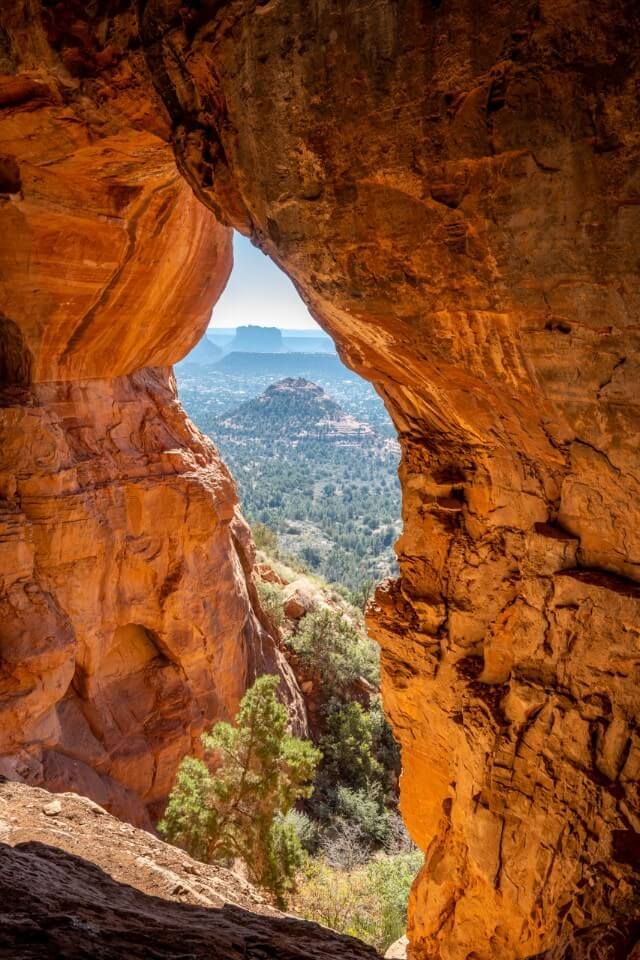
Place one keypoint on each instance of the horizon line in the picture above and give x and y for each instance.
(260, 326)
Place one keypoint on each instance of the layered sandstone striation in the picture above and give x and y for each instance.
(128, 617)
(454, 189)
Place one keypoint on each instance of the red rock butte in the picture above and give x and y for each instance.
(454, 188)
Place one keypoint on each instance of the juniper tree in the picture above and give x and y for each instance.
(234, 805)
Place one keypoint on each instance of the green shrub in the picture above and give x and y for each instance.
(237, 808)
(284, 856)
(311, 556)
(295, 563)
(307, 829)
(397, 839)
(348, 747)
(331, 649)
(385, 746)
(390, 878)
(270, 596)
(365, 809)
(369, 902)
(265, 538)
(360, 825)
(361, 595)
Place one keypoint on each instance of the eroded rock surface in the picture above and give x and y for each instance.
(75, 883)
(454, 188)
(127, 620)
(128, 617)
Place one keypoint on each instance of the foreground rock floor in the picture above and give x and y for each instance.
(77, 883)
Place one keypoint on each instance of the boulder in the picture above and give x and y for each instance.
(299, 598)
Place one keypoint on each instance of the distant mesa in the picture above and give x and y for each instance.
(255, 340)
(252, 339)
(297, 408)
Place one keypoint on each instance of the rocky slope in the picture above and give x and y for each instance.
(296, 595)
(75, 883)
(454, 188)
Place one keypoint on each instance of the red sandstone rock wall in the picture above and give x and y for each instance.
(128, 618)
(454, 188)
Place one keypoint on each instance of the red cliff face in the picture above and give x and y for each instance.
(454, 189)
(127, 613)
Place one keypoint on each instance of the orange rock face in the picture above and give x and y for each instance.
(128, 618)
(454, 189)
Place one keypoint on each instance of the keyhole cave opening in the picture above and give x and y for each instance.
(315, 458)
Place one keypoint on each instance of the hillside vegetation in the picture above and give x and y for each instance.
(361, 862)
(316, 469)
(323, 478)
(315, 823)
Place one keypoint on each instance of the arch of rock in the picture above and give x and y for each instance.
(454, 188)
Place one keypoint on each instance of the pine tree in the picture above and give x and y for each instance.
(234, 807)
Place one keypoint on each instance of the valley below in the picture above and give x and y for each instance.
(314, 456)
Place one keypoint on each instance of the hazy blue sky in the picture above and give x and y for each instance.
(259, 293)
